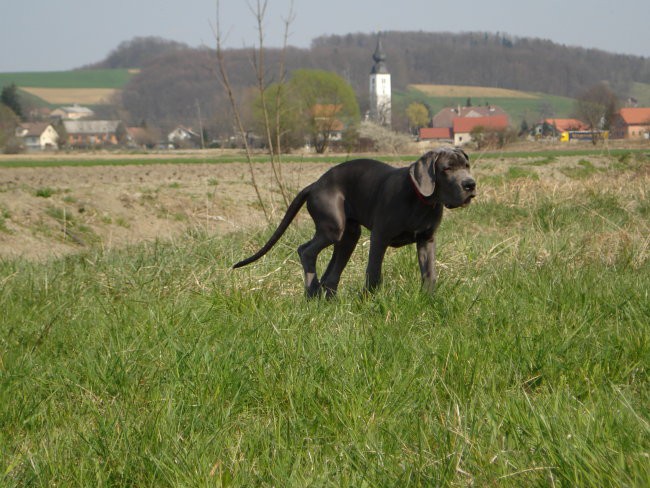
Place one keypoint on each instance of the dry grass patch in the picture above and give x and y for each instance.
(90, 96)
(452, 91)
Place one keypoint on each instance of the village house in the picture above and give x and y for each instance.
(632, 123)
(556, 128)
(463, 126)
(446, 116)
(564, 125)
(441, 134)
(143, 137)
(326, 120)
(456, 123)
(184, 137)
(93, 133)
(38, 136)
(73, 112)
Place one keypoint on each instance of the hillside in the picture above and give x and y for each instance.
(162, 90)
(172, 78)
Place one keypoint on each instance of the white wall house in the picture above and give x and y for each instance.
(38, 136)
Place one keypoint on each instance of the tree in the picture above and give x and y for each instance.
(11, 99)
(314, 105)
(486, 137)
(418, 115)
(597, 107)
(325, 101)
(63, 134)
(8, 122)
(283, 116)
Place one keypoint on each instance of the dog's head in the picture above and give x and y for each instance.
(444, 175)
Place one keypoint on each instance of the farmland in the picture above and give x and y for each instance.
(148, 362)
(91, 87)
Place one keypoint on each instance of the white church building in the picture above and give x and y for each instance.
(380, 90)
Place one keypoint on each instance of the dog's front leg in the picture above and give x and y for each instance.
(426, 247)
(378, 247)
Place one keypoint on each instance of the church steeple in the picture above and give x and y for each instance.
(380, 58)
(380, 91)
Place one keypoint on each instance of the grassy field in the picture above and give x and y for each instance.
(641, 91)
(97, 78)
(212, 157)
(158, 366)
(519, 105)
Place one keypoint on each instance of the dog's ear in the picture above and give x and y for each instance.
(423, 173)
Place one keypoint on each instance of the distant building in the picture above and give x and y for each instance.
(143, 137)
(440, 134)
(380, 89)
(632, 123)
(185, 137)
(456, 123)
(93, 133)
(73, 112)
(463, 126)
(327, 122)
(446, 116)
(564, 125)
(38, 136)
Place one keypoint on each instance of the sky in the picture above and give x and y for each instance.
(47, 35)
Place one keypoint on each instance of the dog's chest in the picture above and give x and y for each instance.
(416, 226)
(403, 239)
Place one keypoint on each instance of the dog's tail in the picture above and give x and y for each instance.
(290, 214)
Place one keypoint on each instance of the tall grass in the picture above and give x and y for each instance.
(158, 366)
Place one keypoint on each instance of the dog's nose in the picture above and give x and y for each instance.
(468, 184)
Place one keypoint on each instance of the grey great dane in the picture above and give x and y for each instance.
(399, 205)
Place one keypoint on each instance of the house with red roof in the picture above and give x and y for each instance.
(565, 125)
(463, 126)
(446, 116)
(442, 134)
(456, 123)
(632, 123)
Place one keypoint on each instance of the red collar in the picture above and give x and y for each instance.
(420, 196)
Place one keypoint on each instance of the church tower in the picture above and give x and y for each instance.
(380, 90)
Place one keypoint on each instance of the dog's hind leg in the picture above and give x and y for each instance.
(327, 212)
(342, 252)
(308, 253)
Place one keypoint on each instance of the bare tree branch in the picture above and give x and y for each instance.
(281, 82)
(258, 62)
(225, 82)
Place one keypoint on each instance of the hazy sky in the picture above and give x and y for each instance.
(47, 35)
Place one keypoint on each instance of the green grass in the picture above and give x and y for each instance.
(159, 366)
(45, 192)
(4, 216)
(98, 78)
(538, 158)
(641, 91)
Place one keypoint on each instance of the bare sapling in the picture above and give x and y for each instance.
(258, 59)
(227, 86)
